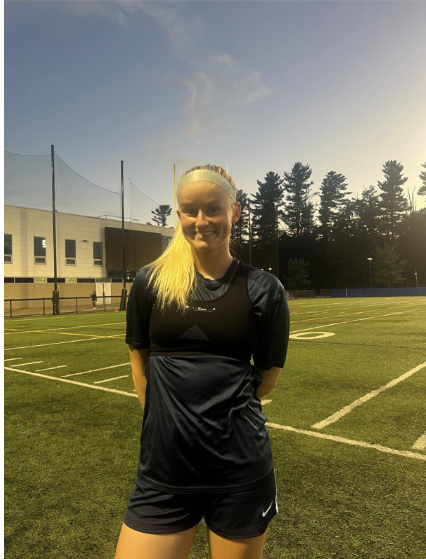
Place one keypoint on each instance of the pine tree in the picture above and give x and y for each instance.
(422, 189)
(161, 214)
(298, 211)
(297, 273)
(367, 211)
(241, 228)
(240, 235)
(333, 193)
(393, 202)
(266, 213)
(387, 268)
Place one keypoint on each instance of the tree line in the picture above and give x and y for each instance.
(377, 238)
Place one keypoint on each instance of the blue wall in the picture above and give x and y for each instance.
(380, 292)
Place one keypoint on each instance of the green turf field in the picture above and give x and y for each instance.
(347, 423)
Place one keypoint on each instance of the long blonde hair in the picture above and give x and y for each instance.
(173, 274)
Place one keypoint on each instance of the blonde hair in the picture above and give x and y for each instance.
(173, 273)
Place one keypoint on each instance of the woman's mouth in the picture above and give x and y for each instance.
(205, 233)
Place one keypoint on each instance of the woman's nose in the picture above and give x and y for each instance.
(201, 219)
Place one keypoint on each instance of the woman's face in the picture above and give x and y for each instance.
(206, 215)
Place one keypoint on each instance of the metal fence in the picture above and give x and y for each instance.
(43, 306)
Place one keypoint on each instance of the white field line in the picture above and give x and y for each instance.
(63, 328)
(405, 453)
(336, 416)
(13, 359)
(109, 379)
(355, 306)
(263, 402)
(420, 444)
(95, 370)
(383, 300)
(32, 363)
(49, 377)
(379, 447)
(348, 321)
(55, 343)
(50, 368)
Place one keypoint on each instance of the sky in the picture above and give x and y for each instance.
(254, 86)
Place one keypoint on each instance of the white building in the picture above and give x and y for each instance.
(89, 250)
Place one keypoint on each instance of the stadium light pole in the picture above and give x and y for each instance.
(123, 292)
(417, 281)
(369, 267)
(55, 272)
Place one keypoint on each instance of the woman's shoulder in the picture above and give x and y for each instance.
(142, 277)
(261, 283)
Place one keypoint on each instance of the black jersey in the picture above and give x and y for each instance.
(203, 427)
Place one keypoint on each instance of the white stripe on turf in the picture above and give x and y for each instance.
(55, 343)
(95, 370)
(109, 379)
(404, 453)
(336, 416)
(49, 377)
(31, 363)
(63, 328)
(51, 368)
(420, 444)
(386, 449)
(348, 321)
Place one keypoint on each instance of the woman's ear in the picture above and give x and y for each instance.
(236, 212)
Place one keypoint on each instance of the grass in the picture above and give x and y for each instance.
(71, 453)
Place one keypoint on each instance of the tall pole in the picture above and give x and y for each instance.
(276, 241)
(124, 292)
(249, 232)
(174, 192)
(55, 271)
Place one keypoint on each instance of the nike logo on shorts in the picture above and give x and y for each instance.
(267, 510)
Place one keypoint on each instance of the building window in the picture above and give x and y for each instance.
(40, 250)
(70, 252)
(8, 248)
(97, 254)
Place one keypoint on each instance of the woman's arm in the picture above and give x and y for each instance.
(269, 382)
(138, 359)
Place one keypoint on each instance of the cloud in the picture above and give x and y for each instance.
(219, 92)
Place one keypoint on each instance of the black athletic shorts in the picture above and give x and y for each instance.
(242, 514)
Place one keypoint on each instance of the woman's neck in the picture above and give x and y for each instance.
(210, 267)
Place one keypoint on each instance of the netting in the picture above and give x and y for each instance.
(28, 183)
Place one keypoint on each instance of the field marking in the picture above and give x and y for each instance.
(336, 416)
(274, 425)
(32, 363)
(319, 335)
(15, 331)
(49, 377)
(54, 343)
(49, 368)
(406, 453)
(109, 379)
(13, 359)
(349, 321)
(263, 402)
(68, 334)
(420, 444)
(95, 370)
(345, 314)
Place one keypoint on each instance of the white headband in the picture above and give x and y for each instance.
(206, 175)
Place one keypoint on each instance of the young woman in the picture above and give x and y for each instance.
(195, 318)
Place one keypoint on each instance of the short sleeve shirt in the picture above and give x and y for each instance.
(203, 428)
